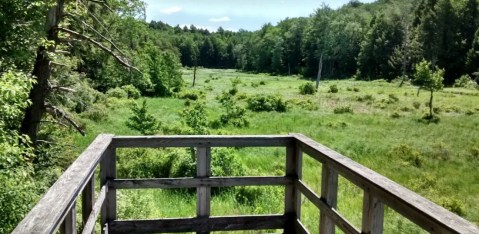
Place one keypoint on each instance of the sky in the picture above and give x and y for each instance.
(232, 14)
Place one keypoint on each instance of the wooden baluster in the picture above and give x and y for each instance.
(88, 195)
(373, 214)
(203, 170)
(329, 194)
(68, 225)
(292, 200)
(108, 172)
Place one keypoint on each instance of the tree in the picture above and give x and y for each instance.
(429, 80)
(142, 121)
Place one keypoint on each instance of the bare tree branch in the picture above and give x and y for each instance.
(101, 46)
(62, 115)
(103, 3)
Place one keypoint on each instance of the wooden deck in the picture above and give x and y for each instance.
(56, 210)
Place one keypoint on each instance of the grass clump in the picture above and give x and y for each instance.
(408, 155)
(333, 89)
(261, 103)
(190, 95)
(343, 110)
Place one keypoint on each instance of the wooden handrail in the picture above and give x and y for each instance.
(57, 207)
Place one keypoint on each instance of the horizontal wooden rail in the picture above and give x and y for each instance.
(197, 182)
(232, 223)
(51, 210)
(202, 141)
(431, 217)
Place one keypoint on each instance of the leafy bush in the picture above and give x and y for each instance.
(307, 89)
(131, 91)
(260, 103)
(333, 89)
(393, 98)
(408, 154)
(194, 117)
(452, 204)
(190, 95)
(262, 82)
(235, 115)
(465, 81)
(366, 98)
(343, 110)
(395, 115)
(117, 93)
(97, 113)
(306, 104)
(142, 121)
(416, 105)
(356, 90)
(248, 195)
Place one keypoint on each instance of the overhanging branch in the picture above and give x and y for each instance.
(60, 115)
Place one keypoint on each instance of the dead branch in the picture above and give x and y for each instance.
(60, 115)
(101, 46)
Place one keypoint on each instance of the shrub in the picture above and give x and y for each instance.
(366, 98)
(356, 90)
(262, 83)
(343, 110)
(235, 115)
(260, 103)
(117, 93)
(194, 116)
(254, 85)
(233, 91)
(190, 94)
(393, 98)
(430, 118)
(416, 105)
(248, 195)
(333, 89)
(453, 205)
(142, 121)
(131, 91)
(395, 115)
(97, 113)
(207, 81)
(474, 154)
(408, 154)
(405, 109)
(470, 112)
(465, 81)
(307, 89)
(306, 104)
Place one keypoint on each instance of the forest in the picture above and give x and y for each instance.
(66, 65)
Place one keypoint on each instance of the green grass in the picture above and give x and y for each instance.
(367, 135)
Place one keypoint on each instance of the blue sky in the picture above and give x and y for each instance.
(232, 14)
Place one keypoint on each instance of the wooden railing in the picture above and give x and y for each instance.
(56, 210)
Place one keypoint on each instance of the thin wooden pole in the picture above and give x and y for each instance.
(329, 193)
(69, 223)
(292, 199)
(373, 214)
(203, 170)
(88, 195)
(108, 172)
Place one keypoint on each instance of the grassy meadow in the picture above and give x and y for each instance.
(375, 123)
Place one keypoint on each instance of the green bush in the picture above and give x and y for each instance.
(366, 98)
(307, 89)
(306, 104)
(248, 195)
(142, 121)
(409, 155)
(416, 105)
(194, 117)
(262, 83)
(234, 114)
(190, 95)
(333, 89)
(343, 110)
(452, 204)
(393, 98)
(261, 103)
(117, 93)
(395, 115)
(97, 113)
(465, 81)
(131, 91)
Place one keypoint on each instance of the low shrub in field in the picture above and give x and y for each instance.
(97, 113)
(395, 115)
(340, 124)
(428, 118)
(145, 163)
(131, 91)
(356, 90)
(408, 154)
(117, 93)
(142, 121)
(465, 81)
(307, 89)
(343, 110)
(268, 103)
(190, 95)
(254, 85)
(416, 105)
(452, 204)
(474, 154)
(393, 98)
(405, 109)
(306, 104)
(262, 82)
(366, 98)
(234, 114)
(194, 116)
(333, 89)
(248, 195)
(470, 112)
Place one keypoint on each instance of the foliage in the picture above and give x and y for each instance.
(430, 81)
(117, 93)
(465, 81)
(131, 91)
(235, 115)
(141, 120)
(343, 110)
(267, 103)
(408, 154)
(97, 113)
(194, 117)
(333, 89)
(190, 95)
(307, 89)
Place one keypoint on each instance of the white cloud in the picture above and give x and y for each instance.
(171, 10)
(220, 19)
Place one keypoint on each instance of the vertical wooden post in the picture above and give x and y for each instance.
(203, 170)
(108, 172)
(292, 199)
(373, 214)
(69, 223)
(329, 194)
(88, 195)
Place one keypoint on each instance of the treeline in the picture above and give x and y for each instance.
(381, 40)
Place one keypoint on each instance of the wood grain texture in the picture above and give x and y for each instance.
(108, 173)
(88, 195)
(68, 225)
(260, 222)
(419, 210)
(329, 194)
(171, 183)
(334, 215)
(46, 216)
(89, 226)
(373, 214)
(203, 170)
(292, 198)
(203, 141)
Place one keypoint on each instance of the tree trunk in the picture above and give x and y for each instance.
(194, 75)
(320, 70)
(41, 73)
(430, 104)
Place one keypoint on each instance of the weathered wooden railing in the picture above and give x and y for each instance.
(56, 210)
